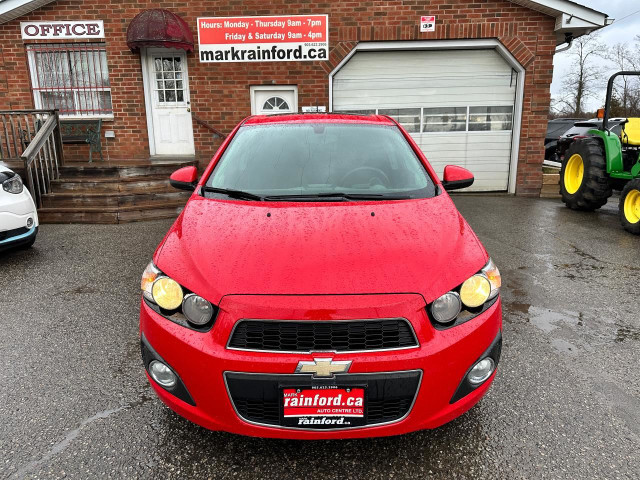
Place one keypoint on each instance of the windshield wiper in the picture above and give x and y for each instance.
(347, 196)
(233, 193)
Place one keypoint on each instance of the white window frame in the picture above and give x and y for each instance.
(466, 131)
(35, 87)
(281, 88)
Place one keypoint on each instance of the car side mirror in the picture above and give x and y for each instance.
(456, 177)
(185, 178)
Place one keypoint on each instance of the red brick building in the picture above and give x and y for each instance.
(473, 87)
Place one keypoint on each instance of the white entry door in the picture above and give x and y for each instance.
(167, 89)
(271, 99)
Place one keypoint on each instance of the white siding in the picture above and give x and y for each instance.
(432, 79)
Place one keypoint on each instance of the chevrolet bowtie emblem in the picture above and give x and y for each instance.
(323, 367)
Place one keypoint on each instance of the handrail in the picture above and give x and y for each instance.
(36, 144)
(42, 158)
(206, 125)
(17, 129)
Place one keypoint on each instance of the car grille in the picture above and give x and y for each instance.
(389, 396)
(13, 233)
(333, 335)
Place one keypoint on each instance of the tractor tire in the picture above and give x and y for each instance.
(629, 207)
(584, 183)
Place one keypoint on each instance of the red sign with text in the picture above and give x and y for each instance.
(259, 39)
(336, 402)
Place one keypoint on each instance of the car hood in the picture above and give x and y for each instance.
(220, 247)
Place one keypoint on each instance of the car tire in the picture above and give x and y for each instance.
(584, 183)
(629, 207)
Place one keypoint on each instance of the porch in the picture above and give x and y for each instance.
(85, 192)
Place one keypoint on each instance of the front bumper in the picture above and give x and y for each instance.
(18, 219)
(205, 365)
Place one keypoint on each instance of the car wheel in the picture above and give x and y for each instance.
(584, 184)
(629, 207)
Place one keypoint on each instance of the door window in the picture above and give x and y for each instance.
(169, 83)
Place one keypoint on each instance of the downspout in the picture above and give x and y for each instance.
(568, 39)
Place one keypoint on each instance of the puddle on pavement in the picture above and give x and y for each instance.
(571, 331)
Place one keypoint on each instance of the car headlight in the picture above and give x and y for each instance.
(148, 277)
(167, 293)
(475, 291)
(197, 310)
(493, 275)
(446, 308)
(13, 184)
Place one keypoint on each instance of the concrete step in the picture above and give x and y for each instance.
(110, 199)
(106, 185)
(111, 214)
(147, 170)
(550, 185)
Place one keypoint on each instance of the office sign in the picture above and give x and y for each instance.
(62, 30)
(263, 39)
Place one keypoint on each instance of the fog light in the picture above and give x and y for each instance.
(29, 222)
(481, 371)
(162, 374)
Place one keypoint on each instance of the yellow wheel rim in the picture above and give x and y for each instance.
(573, 174)
(632, 206)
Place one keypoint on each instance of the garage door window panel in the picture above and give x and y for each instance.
(409, 118)
(483, 119)
(451, 119)
(72, 78)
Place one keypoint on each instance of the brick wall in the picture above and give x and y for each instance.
(220, 92)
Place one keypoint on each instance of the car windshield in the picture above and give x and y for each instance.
(311, 160)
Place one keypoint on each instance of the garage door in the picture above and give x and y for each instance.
(457, 104)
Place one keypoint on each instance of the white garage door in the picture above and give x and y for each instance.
(457, 104)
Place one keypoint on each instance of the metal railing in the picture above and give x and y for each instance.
(33, 137)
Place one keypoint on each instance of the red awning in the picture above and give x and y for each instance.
(159, 28)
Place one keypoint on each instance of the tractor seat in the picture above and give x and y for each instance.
(631, 133)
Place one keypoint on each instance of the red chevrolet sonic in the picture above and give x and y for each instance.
(320, 283)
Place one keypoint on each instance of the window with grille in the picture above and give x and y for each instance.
(72, 78)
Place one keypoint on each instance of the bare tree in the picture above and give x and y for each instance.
(626, 89)
(585, 76)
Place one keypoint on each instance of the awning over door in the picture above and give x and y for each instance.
(159, 28)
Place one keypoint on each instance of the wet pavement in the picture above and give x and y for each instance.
(74, 401)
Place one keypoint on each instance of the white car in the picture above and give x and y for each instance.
(18, 216)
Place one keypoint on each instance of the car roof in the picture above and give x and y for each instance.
(318, 118)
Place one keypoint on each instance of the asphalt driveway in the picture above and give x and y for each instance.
(74, 401)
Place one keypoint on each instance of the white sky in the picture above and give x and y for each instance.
(625, 32)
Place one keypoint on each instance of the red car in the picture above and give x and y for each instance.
(320, 283)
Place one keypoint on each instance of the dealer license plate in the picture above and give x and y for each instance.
(324, 406)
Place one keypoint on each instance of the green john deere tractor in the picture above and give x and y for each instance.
(601, 162)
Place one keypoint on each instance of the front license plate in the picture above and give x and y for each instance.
(325, 406)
